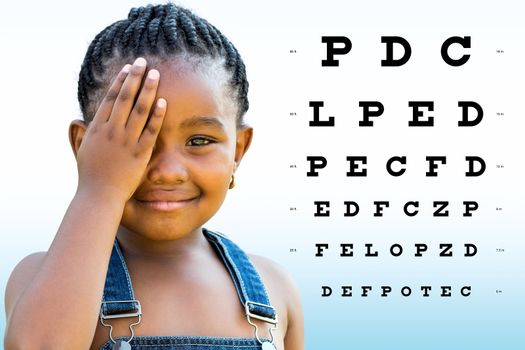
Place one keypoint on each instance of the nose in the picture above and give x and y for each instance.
(167, 167)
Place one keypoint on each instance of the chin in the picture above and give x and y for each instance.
(159, 231)
(161, 236)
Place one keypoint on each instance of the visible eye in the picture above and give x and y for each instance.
(200, 141)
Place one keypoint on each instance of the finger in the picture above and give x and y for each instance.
(152, 128)
(104, 110)
(141, 110)
(126, 96)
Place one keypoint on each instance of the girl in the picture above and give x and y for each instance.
(163, 96)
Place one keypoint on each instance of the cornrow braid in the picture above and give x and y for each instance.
(160, 31)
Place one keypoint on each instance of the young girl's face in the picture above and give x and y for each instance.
(195, 155)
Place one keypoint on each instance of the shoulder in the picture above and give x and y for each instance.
(275, 272)
(286, 290)
(22, 274)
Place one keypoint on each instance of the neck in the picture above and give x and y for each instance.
(137, 246)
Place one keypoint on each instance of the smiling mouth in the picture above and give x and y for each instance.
(165, 205)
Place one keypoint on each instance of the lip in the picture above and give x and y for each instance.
(159, 195)
(165, 206)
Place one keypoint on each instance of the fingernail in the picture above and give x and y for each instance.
(161, 103)
(153, 74)
(126, 68)
(141, 62)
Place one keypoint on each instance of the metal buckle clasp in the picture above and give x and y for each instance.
(273, 321)
(103, 316)
(130, 314)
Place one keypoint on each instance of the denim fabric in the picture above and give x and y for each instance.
(245, 278)
(188, 343)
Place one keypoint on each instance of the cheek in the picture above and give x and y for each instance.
(213, 171)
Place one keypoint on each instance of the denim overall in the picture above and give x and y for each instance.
(118, 301)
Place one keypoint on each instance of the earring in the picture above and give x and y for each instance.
(232, 182)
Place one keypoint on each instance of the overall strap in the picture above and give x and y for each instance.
(118, 299)
(248, 283)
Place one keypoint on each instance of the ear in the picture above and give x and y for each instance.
(77, 129)
(244, 139)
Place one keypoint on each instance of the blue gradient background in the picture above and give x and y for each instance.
(44, 43)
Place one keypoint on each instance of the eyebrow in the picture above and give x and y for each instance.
(205, 121)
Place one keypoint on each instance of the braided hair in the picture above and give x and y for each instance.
(162, 32)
